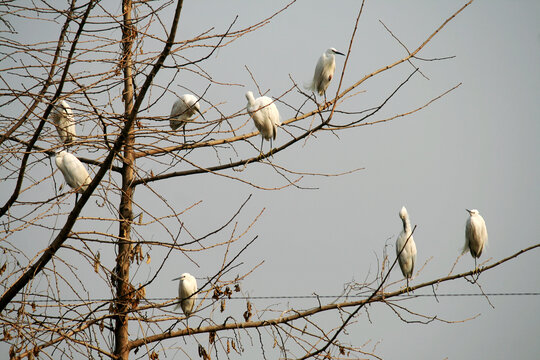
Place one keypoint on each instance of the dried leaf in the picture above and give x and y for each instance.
(237, 288)
(247, 313)
(137, 254)
(203, 353)
(200, 349)
(222, 305)
(217, 293)
(211, 337)
(148, 258)
(97, 262)
(3, 268)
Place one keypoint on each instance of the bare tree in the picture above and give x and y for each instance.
(76, 295)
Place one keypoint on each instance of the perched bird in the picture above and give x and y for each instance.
(73, 170)
(62, 117)
(476, 235)
(182, 111)
(186, 288)
(407, 258)
(265, 115)
(324, 71)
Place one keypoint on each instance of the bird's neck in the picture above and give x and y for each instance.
(406, 225)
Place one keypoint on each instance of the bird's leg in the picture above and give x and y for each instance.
(187, 325)
(407, 286)
(261, 148)
(271, 148)
(476, 271)
(184, 131)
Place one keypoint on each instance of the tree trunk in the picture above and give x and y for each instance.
(124, 290)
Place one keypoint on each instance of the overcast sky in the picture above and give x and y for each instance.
(477, 147)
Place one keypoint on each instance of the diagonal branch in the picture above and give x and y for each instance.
(320, 109)
(50, 75)
(244, 162)
(35, 268)
(30, 145)
(380, 297)
(353, 314)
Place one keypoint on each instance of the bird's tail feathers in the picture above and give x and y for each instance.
(465, 248)
(309, 86)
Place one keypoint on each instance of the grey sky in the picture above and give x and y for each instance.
(477, 147)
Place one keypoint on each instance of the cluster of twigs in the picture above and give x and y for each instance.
(101, 64)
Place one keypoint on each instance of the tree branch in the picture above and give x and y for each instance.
(35, 268)
(380, 297)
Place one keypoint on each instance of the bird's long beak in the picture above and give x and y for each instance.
(339, 53)
(200, 113)
(469, 211)
(178, 278)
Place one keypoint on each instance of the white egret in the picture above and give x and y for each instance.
(407, 258)
(62, 117)
(73, 170)
(324, 71)
(186, 289)
(182, 111)
(265, 115)
(476, 235)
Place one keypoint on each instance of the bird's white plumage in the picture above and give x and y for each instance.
(186, 288)
(476, 235)
(324, 71)
(407, 258)
(265, 115)
(62, 117)
(182, 110)
(73, 170)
